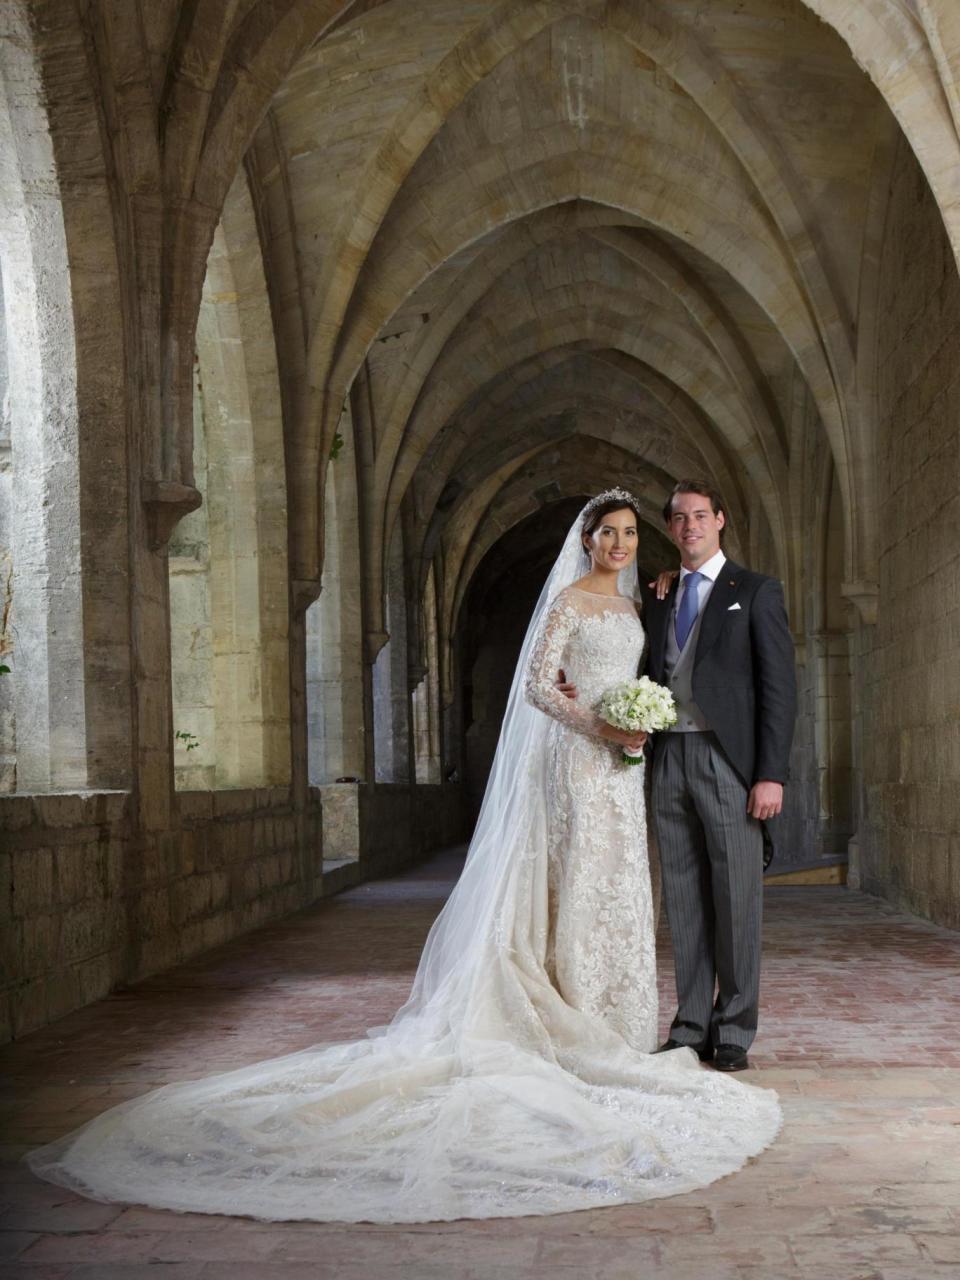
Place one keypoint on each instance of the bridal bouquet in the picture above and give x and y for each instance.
(638, 706)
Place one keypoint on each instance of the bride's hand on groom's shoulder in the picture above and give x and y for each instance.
(663, 582)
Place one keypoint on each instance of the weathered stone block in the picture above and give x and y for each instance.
(168, 848)
(82, 932)
(190, 940)
(6, 888)
(6, 1016)
(341, 822)
(30, 1009)
(149, 865)
(187, 899)
(153, 911)
(63, 992)
(112, 808)
(16, 812)
(32, 881)
(158, 953)
(218, 894)
(227, 803)
(80, 872)
(217, 929)
(66, 810)
(190, 844)
(250, 881)
(97, 976)
(195, 806)
(114, 865)
(38, 943)
(11, 957)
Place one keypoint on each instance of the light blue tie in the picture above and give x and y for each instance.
(687, 613)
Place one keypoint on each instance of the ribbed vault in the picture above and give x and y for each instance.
(409, 159)
(550, 179)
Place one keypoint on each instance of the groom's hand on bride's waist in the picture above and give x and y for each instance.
(630, 741)
(568, 690)
(765, 800)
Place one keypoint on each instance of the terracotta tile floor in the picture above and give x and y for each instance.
(859, 1034)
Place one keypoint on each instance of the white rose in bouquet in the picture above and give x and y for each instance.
(638, 706)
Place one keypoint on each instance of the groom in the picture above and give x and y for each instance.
(720, 641)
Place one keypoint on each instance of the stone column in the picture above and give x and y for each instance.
(47, 616)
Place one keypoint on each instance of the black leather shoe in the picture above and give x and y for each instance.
(705, 1054)
(730, 1057)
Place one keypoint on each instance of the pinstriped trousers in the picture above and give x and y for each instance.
(711, 855)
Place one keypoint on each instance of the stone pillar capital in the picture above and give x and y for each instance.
(166, 503)
(416, 673)
(303, 593)
(373, 642)
(864, 595)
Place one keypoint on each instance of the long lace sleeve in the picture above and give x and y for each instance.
(558, 625)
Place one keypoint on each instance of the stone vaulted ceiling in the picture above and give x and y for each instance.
(531, 235)
(497, 231)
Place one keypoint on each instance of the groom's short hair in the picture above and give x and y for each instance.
(704, 488)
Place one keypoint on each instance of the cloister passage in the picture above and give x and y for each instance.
(320, 318)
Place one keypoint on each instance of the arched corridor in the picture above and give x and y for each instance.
(319, 320)
(859, 1006)
(295, 403)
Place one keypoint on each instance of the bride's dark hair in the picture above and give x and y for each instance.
(594, 517)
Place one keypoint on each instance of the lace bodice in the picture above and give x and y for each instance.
(597, 641)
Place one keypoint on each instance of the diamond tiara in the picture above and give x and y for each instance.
(608, 495)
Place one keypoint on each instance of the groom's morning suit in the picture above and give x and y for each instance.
(730, 666)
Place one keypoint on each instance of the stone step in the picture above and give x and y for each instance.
(819, 873)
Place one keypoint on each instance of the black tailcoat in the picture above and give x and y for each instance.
(744, 678)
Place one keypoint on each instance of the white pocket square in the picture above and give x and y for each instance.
(735, 605)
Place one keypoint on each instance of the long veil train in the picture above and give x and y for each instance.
(486, 1096)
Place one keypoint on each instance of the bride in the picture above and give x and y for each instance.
(519, 1076)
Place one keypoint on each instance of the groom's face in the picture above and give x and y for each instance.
(695, 527)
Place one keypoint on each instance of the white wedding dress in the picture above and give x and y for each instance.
(518, 1077)
(600, 946)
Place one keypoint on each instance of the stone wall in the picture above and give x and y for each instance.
(909, 843)
(86, 907)
(399, 824)
(63, 906)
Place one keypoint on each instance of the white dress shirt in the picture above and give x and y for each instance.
(711, 572)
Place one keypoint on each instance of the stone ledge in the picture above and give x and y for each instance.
(204, 806)
(340, 874)
(60, 810)
(195, 806)
(228, 804)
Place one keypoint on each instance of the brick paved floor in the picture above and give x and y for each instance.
(859, 1034)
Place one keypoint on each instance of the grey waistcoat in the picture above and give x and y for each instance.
(678, 667)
